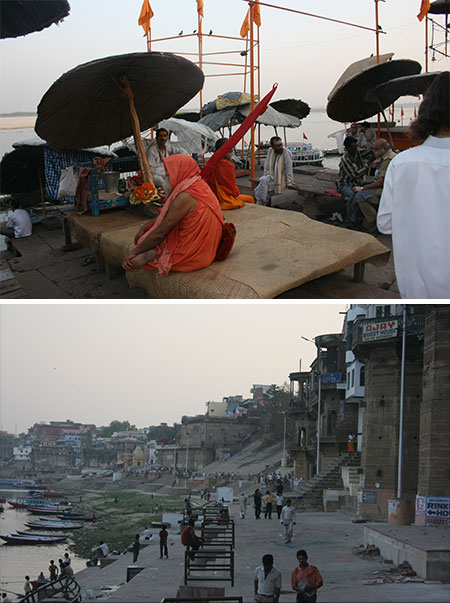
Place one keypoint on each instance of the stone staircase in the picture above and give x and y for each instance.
(309, 497)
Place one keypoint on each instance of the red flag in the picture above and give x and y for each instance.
(415, 112)
(200, 8)
(424, 8)
(304, 136)
(239, 134)
(145, 16)
(245, 27)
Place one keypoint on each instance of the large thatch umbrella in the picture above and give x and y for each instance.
(109, 99)
(348, 102)
(411, 85)
(292, 106)
(21, 17)
(440, 7)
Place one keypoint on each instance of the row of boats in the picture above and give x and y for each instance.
(64, 518)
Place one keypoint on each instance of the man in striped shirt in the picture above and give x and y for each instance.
(352, 170)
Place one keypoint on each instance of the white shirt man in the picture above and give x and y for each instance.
(267, 581)
(156, 151)
(414, 208)
(18, 224)
(288, 520)
(278, 173)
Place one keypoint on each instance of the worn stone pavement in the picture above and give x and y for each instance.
(329, 538)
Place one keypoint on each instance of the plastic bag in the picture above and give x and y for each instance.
(68, 182)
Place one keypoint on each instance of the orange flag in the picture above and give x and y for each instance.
(145, 16)
(390, 111)
(257, 14)
(415, 112)
(200, 8)
(245, 28)
(304, 136)
(424, 8)
(402, 113)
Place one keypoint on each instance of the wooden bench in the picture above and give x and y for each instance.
(275, 250)
(209, 561)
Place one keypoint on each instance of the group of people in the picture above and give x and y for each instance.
(64, 568)
(305, 580)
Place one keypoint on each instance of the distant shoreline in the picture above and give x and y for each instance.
(17, 122)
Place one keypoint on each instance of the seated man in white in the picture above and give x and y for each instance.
(278, 174)
(156, 151)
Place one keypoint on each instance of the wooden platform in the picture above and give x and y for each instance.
(275, 251)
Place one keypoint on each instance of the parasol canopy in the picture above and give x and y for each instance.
(440, 7)
(292, 106)
(191, 136)
(21, 17)
(401, 86)
(348, 101)
(87, 106)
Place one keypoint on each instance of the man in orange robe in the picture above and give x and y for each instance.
(222, 181)
(186, 234)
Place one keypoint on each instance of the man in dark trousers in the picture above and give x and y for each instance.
(163, 534)
(257, 503)
(136, 547)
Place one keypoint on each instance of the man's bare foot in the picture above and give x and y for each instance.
(142, 258)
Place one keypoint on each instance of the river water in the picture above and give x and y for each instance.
(17, 561)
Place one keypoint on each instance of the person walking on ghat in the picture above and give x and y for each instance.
(257, 503)
(163, 534)
(242, 505)
(135, 548)
(279, 504)
(27, 586)
(305, 579)
(53, 570)
(269, 503)
(288, 520)
(267, 581)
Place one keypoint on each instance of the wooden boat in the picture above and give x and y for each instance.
(54, 525)
(28, 533)
(30, 501)
(22, 539)
(78, 516)
(56, 510)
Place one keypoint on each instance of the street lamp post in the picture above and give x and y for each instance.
(319, 400)
(187, 452)
(283, 462)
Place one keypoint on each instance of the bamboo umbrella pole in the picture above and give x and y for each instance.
(252, 98)
(140, 150)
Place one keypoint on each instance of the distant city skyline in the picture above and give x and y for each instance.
(147, 363)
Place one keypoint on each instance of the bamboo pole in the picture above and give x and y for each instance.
(252, 98)
(377, 37)
(140, 150)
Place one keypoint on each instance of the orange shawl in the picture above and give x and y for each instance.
(193, 243)
(222, 181)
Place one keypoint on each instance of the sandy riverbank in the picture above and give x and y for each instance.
(17, 122)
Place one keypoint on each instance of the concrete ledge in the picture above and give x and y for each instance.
(426, 549)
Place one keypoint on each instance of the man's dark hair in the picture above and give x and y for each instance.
(366, 124)
(191, 522)
(267, 559)
(274, 139)
(302, 552)
(349, 140)
(15, 203)
(434, 110)
(161, 130)
(220, 143)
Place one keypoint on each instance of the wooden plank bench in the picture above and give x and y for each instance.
(209, 561)
(275, 250)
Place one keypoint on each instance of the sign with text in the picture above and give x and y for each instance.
(331, 377)
(437, 511)
(379, 329)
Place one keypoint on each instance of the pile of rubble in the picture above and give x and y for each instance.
(403, 573)
(369, 549)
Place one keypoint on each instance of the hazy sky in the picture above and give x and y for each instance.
(304, 55)
(146, 362)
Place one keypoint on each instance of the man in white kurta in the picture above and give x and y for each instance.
(278, 173)
(156, 151)
(415, 209)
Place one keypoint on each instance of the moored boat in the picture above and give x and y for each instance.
(22, 539)
(56, 510)
(54, 525)
(30, 501)
(28, 533)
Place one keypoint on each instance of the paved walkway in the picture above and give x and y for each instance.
(329, 538)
